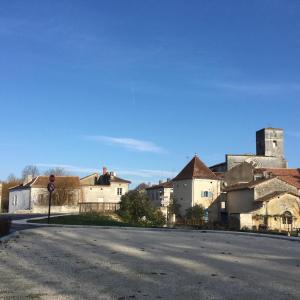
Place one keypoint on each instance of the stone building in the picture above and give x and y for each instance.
(263, 197)
(269, 152)
(197, 184)
(161, 195)
(32, 195)
(105, 188)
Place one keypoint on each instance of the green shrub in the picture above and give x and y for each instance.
(137, 208)
(195, 212)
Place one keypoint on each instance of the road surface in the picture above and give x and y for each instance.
(98, 263)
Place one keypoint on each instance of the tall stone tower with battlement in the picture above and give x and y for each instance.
(270, 142)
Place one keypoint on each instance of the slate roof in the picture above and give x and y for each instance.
(195, 169)
(105, 179)
(167, 184)
(118, 179)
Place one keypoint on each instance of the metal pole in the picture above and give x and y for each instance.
(50, 196)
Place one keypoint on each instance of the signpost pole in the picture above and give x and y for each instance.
(49, 210)
(51, 188)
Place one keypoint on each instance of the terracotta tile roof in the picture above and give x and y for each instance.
(195, 169)
(167, 184)
(220, 175)
(292, 180)
(290, 176)
(273, 195)
(279, 171)
(246, 185)
(42, 182)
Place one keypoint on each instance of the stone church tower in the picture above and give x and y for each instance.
(270, 142)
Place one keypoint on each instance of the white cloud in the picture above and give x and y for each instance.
(138, 173)
(70, 168)
(258, 88)
(129, 143)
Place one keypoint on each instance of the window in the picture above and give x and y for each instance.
(119, 191)
(223, 205)
(287, 218)
(15, 200)
(274, 144)
(206, 194)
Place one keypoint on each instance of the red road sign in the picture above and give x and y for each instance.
(52, 178)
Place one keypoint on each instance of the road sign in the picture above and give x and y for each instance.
(52, 178)
(51, 187)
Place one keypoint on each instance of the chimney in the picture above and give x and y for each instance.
(27, 179)
(104, 170)
(160, 182)
(168, 179)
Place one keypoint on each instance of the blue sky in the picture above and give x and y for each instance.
(141, 86)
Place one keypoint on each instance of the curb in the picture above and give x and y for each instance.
(9, 236)
(252, 234)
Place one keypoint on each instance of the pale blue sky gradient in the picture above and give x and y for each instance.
(140, 86)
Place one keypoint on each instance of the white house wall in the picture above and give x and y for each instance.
(183, 194)
(202, 185)
(21, 202)
(102, 193)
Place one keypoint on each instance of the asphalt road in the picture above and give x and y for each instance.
(15, 217)
(98, 263)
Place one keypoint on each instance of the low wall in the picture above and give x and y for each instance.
(56, 209)
(246, 220)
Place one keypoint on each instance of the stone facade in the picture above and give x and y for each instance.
(281, 212)
(105, 188)
(269, 152)
(197, 185)
(263, 202)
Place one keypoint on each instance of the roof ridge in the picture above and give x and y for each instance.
(195, 169)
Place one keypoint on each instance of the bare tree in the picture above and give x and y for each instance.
(57, 172)
(30, 170)
(12, 178)
(11, 181)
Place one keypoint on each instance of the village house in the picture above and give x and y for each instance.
(269, 152)
(103, 191)
(262, 197)
(161, 195)
(196, 184)
(32, 195)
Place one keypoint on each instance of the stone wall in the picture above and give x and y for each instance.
(239, 174)
(271, 186)
(257, 161)
(104, 193)
(56, 209)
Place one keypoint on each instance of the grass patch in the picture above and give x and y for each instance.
(85, 219)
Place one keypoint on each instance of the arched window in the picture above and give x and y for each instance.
(287, 218)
